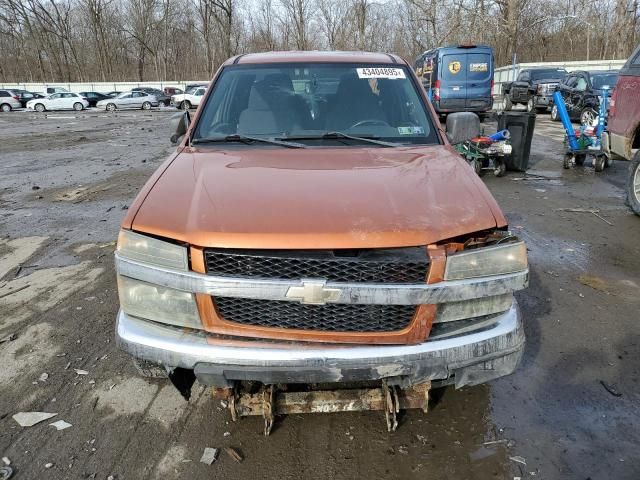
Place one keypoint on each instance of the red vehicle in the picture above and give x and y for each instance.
(623, 129)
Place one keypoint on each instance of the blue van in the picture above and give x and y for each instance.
(460, 77)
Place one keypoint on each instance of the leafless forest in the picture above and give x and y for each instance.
(143, 40)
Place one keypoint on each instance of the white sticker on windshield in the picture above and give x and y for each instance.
(378, 72)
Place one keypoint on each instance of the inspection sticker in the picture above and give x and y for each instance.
(377, 72)
(411, 130)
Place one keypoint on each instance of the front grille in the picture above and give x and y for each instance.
(392, 265)
(332, 317)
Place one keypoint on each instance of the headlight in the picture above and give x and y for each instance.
(160, 304)
(487, 261)
(144, 249)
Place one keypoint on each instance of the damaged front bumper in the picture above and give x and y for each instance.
(467, 359)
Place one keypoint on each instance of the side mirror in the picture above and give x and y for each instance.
(462, 126)
(179, 124)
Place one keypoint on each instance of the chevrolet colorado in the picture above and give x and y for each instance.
(315, 227)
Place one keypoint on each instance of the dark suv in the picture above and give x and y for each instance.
(581, 92)
(534, 88)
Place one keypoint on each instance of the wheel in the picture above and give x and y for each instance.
(555, 116)
(476, 165)
(580, 158)
(633, 184)
(530, 105)
(39, 107)
(78, 106)
(508, 105)
(5, 107)
(186, 104)
(501, 169)
(146, 106)
(111, 107)
(598, 162)
(588, 116)
(566, 162)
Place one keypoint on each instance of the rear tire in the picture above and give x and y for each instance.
(633, 184)
(588, 116)
(508, 104)
(78, 107)
(5, 107)
(598, 162)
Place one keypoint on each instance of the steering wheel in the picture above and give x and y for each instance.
(372, 121)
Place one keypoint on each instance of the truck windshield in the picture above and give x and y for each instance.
(553, 74)
(317, 104)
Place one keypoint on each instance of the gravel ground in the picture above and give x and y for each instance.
(570, 410)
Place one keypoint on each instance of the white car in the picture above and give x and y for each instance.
(133, 99)
(188, 100)
(9, 100)
(59, 101)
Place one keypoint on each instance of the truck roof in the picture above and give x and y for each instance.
(314, 56)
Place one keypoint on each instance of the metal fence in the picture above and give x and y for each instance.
(510, 72)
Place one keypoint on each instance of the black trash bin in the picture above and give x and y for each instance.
(521, 126)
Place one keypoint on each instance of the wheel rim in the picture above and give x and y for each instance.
(40, 108)
(146, 105)
(530, 105)
(111, 107)
(588, 116)
(6, 108)
(554, 112)
(77, 106)
(636, 184)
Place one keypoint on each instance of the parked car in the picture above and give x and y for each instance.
(172, 91)
(58, 101)
(267, 253)
(50, 90)
(534, 87)
(188, 100)
(159, 94)
(9, 100)
(581, 92)
(113, 94)
(623, 127)
(460, 77)
(132, 99)
(94, 97)
(23, 96)
(190, 87)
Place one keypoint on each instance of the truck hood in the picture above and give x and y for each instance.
(251, 197)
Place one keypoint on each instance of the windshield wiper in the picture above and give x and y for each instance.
(338, 135)
(248, 139)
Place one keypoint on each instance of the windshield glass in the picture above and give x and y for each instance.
(548, 74)
(308, 101)
(602, 80)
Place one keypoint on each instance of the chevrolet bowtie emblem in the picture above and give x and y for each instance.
(314, 292)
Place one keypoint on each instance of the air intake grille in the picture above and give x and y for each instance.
(332, 317)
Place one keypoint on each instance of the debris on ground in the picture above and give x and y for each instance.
(609, 388)
(403, 449)
(586, 210)
(9, 338)
(233, 453)
(29, 419)
(592, 281)
(48, 465)
(60, 425)
(518, 459)
(6, 473)
(16, 290)
(6, 460)
(44, 377)
(209, 455)
(226, 434)
(80, 372)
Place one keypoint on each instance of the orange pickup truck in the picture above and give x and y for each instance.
(314, 226)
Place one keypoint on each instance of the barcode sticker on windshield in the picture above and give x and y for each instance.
(377, 72)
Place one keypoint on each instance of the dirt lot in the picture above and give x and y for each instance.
(569, 412)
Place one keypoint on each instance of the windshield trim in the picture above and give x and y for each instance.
(438, 138)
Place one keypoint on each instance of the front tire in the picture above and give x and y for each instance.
(187, 105)
(39, 107)
(78, 107)
(111, 107)
(146, 106)
(531, 105)
(599, 162)
(508, 104)
(555, 116)
(633, 184)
